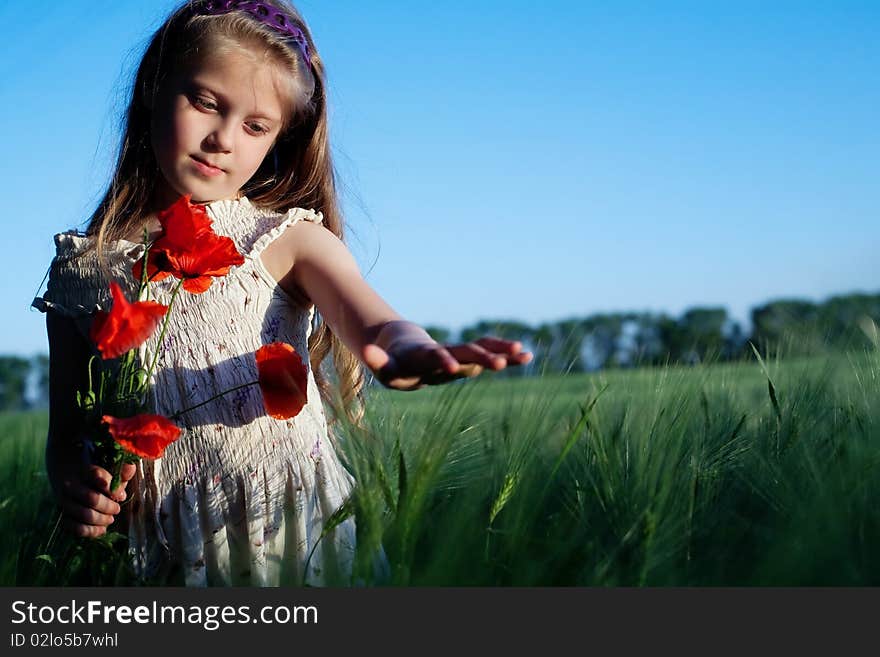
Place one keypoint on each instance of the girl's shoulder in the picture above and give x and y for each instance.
(78, 263)
(79, 250)
(254, 227)
(78, 281)
(245, 214)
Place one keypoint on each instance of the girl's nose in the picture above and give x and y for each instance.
(220, 139)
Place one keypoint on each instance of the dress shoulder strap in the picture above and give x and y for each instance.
(253, 228)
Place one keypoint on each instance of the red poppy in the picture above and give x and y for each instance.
(283, 380)
(126, 326)
(189, 248)
(144, 435)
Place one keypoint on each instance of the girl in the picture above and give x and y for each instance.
(229, 107)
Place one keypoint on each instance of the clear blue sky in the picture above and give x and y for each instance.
(504, 161)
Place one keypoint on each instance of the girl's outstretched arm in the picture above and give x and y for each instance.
(401, 354)
(82, 489)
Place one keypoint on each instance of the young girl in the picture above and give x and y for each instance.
(229, 106)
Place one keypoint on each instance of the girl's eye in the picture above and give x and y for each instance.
(257, 128)
(205, 103)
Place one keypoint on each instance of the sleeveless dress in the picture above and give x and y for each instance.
(240, 498)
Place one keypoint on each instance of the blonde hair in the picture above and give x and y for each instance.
(304, 177)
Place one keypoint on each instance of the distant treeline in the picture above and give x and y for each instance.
(793, 326)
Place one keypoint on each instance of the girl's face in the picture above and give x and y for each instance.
(213, 124)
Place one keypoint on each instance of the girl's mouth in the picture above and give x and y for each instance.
(205, 168)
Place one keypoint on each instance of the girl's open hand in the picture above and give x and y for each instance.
(409, 364)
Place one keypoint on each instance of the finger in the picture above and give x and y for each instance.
(511, 349)
(85, 515)
(428, 357)
(500, 346)
(384, 368)
(89, 498)
(405, 383)
(445, 360)
(404, 372)
(426, 365)
(100, 478)
(375, 357)
(82, 530)
(381, 363)
(125, 475)
(465, 370)
(474, 353)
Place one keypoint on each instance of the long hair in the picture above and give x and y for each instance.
(304, 176)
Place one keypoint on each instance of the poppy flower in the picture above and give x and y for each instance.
(283, 380)
(189, 248)
(144, 435)
(126, 326)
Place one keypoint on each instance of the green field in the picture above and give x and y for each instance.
(728, 474)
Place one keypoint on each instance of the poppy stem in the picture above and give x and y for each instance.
(102, 386)
(131, 366)
(144, 278)
(91, 360)
(116, 474)
(124, 385)
(210, 399)
(164, 328)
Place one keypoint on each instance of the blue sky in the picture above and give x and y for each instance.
(500, 161)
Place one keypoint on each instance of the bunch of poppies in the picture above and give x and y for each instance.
(114, 404)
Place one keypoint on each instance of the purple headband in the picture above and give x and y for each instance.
(266, 14)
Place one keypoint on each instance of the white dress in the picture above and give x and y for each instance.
(240, 498)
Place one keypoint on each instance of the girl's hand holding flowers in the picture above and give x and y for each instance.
(83, 492)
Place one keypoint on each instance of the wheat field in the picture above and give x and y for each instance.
(754, 473)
